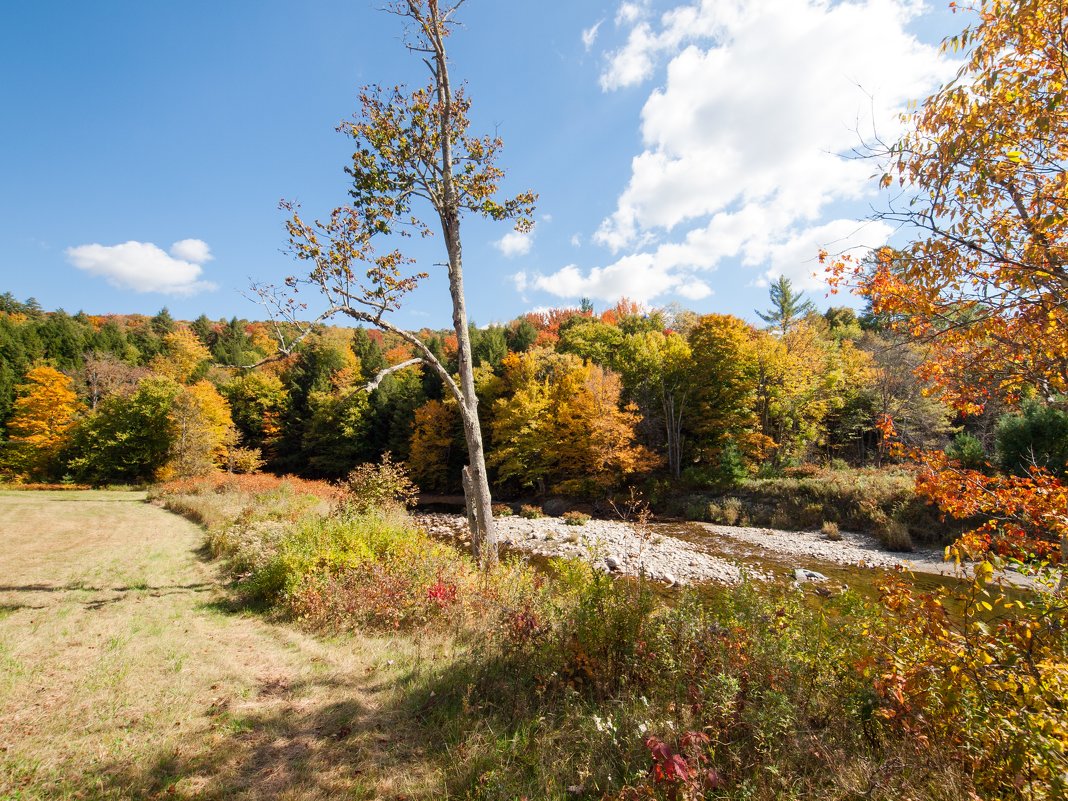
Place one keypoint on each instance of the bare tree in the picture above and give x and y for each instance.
(412, 151)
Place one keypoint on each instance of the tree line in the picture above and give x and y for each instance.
(572, 401)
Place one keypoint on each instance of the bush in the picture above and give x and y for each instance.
(967, 450)
(1037, 436)
(244, 460)
(502, 510)
(830, 531)
(894, 535)
(695, 510)
(371, 486)
(576, 518)
(731, 511)
(530, 512)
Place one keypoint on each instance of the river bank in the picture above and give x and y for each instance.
(688, 553)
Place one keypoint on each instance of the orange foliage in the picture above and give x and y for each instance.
(984, 283)
(401, 353)
(625, 307)
(548, 323)
(252, 484)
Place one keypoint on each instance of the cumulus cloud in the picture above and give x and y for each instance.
(746, 142)
(515, 244)
(144, 267)
(192, 250)
(637, 277)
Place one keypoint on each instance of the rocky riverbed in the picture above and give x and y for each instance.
(614, 546)
(694, 552)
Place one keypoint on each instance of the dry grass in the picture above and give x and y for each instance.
(124, 675)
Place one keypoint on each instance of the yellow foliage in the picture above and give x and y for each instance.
(45, 409)
(559, 424)
(183, 354)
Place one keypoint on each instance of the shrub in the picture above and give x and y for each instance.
(830, 531)
(244, 460)
(967, 450)
(502, 510)
(576, 518)
(731, 511)
(370, 486)
(530, 512)
(894, 535)
(781, 519)
(1037, 436)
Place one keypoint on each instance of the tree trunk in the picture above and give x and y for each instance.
(476, 488)
(484, 537)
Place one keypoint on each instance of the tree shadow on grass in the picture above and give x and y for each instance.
(305, 740)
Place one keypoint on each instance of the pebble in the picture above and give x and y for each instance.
(610, 545)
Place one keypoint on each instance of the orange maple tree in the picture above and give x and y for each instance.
(985, 281)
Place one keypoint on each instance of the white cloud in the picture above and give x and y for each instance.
(576, 240)
(746, 142)
(630, 12)
(637, 277)
(194, 250)
(589, 35)
(515, 244)
(144, 267)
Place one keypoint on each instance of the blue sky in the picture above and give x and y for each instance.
(683, 151)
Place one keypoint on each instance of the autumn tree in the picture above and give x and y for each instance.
(44, 411)
(560, 426)
(412, 151)
(201, 431)
(434, 445)
(183, 356)
(724, 386)
(983, 168)
(658, 372)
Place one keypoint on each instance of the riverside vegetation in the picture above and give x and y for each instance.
(569, 683)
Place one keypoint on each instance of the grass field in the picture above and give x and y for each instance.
(124, 674)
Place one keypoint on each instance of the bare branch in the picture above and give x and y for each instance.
(372, 385)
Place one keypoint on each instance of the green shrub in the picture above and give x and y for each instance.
(370, 486)
(530, 512)
(502, 510)
(576, 518)
(1037, 436)
(967, 450)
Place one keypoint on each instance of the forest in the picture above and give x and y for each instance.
(574, 402)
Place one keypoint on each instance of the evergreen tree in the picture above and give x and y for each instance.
(787, 306)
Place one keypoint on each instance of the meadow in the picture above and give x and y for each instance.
(293, 647)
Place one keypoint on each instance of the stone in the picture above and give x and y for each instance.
(612, 563)
(802, 575)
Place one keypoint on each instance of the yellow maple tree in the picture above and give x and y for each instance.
(43, 414)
